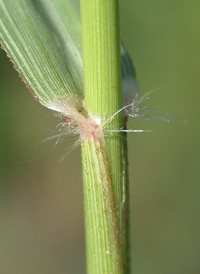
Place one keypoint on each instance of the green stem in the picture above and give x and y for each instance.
(104, 158)
(104, 254)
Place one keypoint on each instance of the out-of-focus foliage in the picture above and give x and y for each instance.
(41, 206)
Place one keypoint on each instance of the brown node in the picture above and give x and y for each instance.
(66, 119)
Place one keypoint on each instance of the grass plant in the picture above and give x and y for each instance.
(79, 68)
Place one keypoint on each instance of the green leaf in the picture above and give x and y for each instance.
(63, 19)
(35, 48)
(130, 87)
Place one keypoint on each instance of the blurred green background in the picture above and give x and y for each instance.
(41, 202)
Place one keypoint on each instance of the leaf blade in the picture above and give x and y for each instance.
(34, 51)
